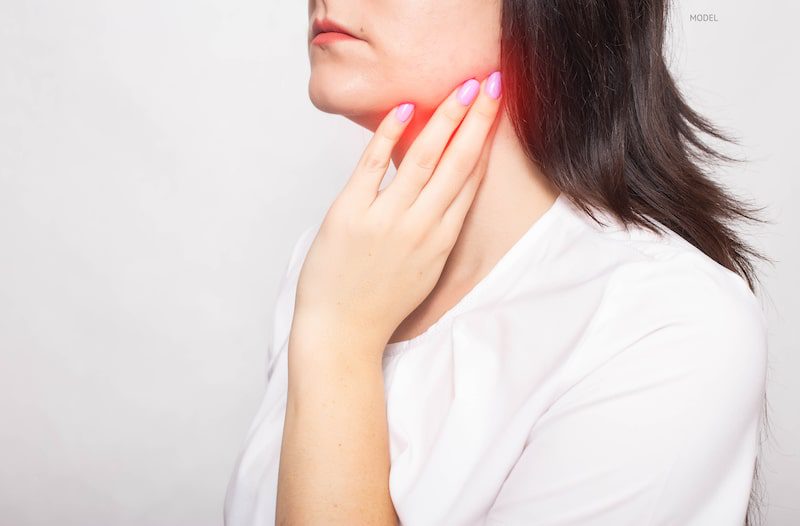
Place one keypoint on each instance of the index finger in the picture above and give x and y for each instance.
(371, 167)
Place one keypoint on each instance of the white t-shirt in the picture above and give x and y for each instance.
(596, 376)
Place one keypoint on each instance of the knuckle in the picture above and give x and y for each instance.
(378, 223)
(453, 112)
(374, 163)
(406, 230)
(446, 238)
(485, 110)
(414, 231)
(462, 161)
(458, 158)
(426, 160)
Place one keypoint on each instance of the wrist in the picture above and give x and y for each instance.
(321, 335)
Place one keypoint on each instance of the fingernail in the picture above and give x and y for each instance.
(493, 85)
(403, 112)
(468, 91)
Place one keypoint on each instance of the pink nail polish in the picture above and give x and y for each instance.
(403, 112)
(493, 85)
(466, 94)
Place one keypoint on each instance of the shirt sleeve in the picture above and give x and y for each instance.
(662, 428)
(284, 301)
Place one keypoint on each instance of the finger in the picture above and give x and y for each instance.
(422, 157)
(371, 167)
(461, 156)
(453, 218)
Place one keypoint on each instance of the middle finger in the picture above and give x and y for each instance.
(423, 155)
(461, 156)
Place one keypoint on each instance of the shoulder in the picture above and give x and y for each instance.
(681, 315)
(668, 382)
(662, 302)
(683, 286)
(661, 276)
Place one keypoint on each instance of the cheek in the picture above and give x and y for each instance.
(428, 69)
(416, 50)
(428, 47)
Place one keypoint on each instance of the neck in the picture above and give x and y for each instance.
(513, 194)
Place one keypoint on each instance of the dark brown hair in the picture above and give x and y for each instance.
(591, 98)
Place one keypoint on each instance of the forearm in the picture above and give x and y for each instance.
(334, 461)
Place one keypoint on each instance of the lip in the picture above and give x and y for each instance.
(326, 25)
(327, 37)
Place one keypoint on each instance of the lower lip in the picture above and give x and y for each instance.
(331, 36)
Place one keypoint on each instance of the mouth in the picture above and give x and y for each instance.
(328, 30)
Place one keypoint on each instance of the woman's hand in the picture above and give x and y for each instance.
(375, 258)
(378, 254)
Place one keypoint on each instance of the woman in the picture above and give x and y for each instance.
(545, 318)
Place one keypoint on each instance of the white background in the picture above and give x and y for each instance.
(157, 161)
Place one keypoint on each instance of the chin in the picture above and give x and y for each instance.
(326, 99)
(348, 100)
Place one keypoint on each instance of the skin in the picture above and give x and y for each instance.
(417, 51)
(463, 194)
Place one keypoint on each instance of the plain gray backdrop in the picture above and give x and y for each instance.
(158, 159)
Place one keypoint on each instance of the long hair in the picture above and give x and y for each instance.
(593, 103)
